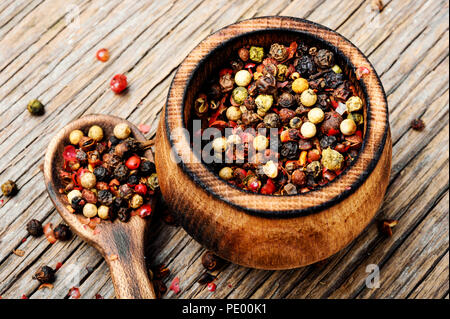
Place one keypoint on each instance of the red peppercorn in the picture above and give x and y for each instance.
(118, 83)
(133, 162)
(103, 55)
(74, 293)
(254, 185)
(212, 286)
(141, 189)
(268, 188)
(145, 211)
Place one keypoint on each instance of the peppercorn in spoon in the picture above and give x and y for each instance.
(120, 240)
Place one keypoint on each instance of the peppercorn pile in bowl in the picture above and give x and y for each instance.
(107, 177)
(299, 92)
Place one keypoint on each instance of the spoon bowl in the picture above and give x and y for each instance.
(120, 243)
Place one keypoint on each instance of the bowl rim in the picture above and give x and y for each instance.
(370, 85)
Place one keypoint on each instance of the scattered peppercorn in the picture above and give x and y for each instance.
(45, 274)
(118, 83)
(103, 55)
(35, 107)
(417, 125)
(9, 188)
(34, 228)
(211, 261)
(62, 232)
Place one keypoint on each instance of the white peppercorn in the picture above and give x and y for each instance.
(260, 143)
(122, 131)
(348, 127)
(90, 210)
(103, 212)
(316, 115)
(96, 132)
(308, 130)
(226, 173)
(233, 113)
(75, 137)
(243, 78)
(308, 98)
(88, 180)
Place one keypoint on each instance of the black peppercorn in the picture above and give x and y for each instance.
(101, 173)
(333, 80)
(324, 58)
(121, 173)
(133, 180)
(119, 202)
(306, 66)
(328, 141)
(113, 141)
(289, 150)
(34, 228)
(105, 197)
(417, 125)
(211, 261)
(146, 168)
(267, 84)
(45, 275)
(123, 213)
(78, 203)
(62, 232)
(111, 161)
(125, 191)
(286, 100)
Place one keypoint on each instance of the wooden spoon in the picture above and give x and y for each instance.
(120, 243)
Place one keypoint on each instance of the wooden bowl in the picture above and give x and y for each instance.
(264, 231)
(121, 244)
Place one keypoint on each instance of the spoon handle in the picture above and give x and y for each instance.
(123, 249)
(130, 280)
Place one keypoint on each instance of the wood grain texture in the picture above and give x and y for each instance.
(121, 244)
(407, 43)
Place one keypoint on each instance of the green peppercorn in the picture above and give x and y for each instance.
(153, 182)
(282, 70)
(332, 160)
(356, 117)
(9, 188)
(136, 201)
(263, 103)
(239, 94)
(35, 107)
(256, 54)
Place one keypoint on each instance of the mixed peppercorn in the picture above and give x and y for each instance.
(302, 93)
(107, 178)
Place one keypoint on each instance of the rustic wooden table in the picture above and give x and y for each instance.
(47, 51)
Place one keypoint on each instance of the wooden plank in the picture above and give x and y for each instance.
(411, 205)
(435, 285)
(81, 83)
(419, 252)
